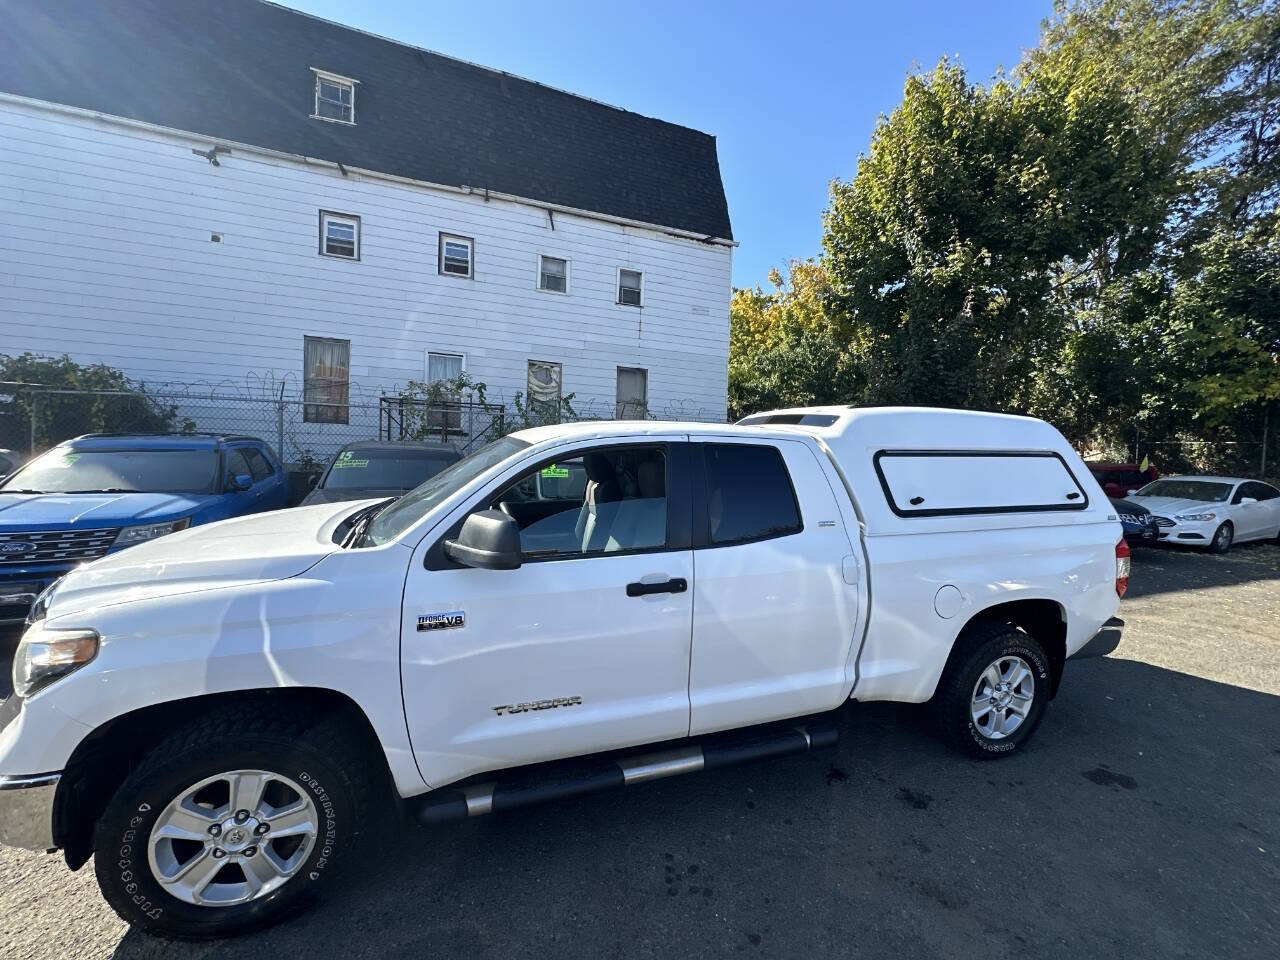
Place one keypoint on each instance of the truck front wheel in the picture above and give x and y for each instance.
(993, 695)
(230, 823)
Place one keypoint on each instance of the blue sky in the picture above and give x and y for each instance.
(790, 90)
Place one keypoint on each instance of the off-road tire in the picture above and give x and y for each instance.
(984, 643)
(321, 752)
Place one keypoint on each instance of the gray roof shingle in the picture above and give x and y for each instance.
(240, 70)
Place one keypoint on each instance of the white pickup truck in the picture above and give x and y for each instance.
(214, 714)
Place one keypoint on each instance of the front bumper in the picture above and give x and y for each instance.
(26, 810)
(1196, 533)
(1104, 641)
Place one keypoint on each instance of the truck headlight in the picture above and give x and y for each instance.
(44, 655)
(149, 531)
(1198, 516)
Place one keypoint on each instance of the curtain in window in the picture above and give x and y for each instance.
(447, 417)
(544, 390)
(326, 385)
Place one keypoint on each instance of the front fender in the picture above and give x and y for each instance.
(335, 627)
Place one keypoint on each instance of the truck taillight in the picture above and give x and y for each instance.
(1122, 567)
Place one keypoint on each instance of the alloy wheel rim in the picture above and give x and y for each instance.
(1002, 697)
(232, 838)
(1223, 538)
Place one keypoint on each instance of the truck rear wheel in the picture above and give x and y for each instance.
(993, 695)
(231, 823)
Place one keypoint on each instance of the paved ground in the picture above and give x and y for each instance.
(1144, 821)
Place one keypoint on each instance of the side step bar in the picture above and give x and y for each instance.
(522, 788)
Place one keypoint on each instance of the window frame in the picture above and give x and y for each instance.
(344, 408)
(702, 496)
(644, 401)
(332, 215)
(567, 269)
(335, 78)
(443, 426)
(680, 501)
(1081, 504)
(471, 255)
(618, 288)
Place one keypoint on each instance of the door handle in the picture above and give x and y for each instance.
(674, 585)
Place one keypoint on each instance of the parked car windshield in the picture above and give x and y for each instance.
(415, 504)
(385, 469)
(127, 471)
(1188, 490)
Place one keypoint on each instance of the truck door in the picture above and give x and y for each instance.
(773, 615)
(585, 647)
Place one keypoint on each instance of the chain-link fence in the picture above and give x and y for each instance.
(306, 433)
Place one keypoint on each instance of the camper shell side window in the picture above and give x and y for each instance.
(936, 483)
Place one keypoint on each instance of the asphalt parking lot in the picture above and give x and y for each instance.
(1143, 821)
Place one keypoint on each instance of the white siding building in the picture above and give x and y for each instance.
(338, 268)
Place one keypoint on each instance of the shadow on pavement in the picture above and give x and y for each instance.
(1163, 569)
(1143, 821)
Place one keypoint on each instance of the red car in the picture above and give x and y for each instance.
(1117, 479)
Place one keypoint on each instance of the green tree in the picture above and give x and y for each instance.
(45, 400)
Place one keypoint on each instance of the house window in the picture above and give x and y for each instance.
(455, 255)
(335, 97)
(630, 287)
(544, 390)
(326, 380)
(339, 235)
(445, 416)
(553, 274)
(633, 393)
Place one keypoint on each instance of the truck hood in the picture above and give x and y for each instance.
(252, 549)
(1172, 506)
(55, 511)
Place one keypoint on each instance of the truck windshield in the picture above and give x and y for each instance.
(1187, 490)
(415, 504)
(119, 471)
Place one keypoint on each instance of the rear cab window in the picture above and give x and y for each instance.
(931, 483)
(749, 494)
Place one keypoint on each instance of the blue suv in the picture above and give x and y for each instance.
(100, 493)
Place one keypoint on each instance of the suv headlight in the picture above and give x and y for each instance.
(149, 531)
(1197, 516)
(44, 655)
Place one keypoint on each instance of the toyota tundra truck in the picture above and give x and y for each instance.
(212, 715)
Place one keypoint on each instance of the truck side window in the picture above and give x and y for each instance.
(259, 466)
(237, 464)
(599, 501)
(749, 494)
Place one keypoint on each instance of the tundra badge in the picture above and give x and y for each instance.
(442, 621)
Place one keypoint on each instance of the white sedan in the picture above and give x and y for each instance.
(1212, 512)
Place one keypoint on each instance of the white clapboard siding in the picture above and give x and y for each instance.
(106, 255)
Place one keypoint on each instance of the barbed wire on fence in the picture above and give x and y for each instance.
(306, 433)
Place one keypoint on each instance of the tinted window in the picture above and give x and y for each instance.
(1266, 491)
(749, 494)
(1259, 491)
(144, 471)
(237, 464)
(259, 466)
(603, 501)
(388, 469)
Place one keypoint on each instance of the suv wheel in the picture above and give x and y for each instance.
(992, 697)
(230, 823)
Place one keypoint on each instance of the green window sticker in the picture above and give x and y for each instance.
(555, 472)
(345, 459)
(66, 460)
